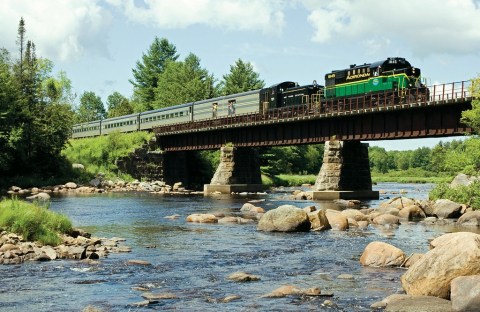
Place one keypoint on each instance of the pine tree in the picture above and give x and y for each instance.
(148, 70)
(241, 78)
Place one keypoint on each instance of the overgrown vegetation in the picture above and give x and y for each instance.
(288, 180)
(33, 221)
(411, 175)
(99, 154)
(469, 195)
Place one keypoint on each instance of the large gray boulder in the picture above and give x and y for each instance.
(407, 303)
(471, 218)
(465, 293)
(462, 180)
(445, 208)
(286, 218)
(456, 255)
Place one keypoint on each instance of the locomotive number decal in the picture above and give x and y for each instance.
(331, 76)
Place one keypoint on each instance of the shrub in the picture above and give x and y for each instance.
(99, 154)
(33, 222)
(469, 195)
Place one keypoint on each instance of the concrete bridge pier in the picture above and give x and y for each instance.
(238, 171)
(345, 173)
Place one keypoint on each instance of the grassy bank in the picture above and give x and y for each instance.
(99, 154)
(288, 180)
(413, 175)
(33, 221)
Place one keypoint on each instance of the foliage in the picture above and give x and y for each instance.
(472, 117)
(379, 159)
(241, 78)
(147, 71)
(33, 222)
(118, 105)
(91, 108)
(411, 175)
(183, 82)
(288, 180)
(36, 117)
(99, 154)
(469, 195)
(295, 159)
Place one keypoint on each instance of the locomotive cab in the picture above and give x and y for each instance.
(272, 97)
(287, 94)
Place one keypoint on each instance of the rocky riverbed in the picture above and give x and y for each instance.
(80, 245)
(244, 255)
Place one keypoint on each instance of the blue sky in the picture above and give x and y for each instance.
(98, 42)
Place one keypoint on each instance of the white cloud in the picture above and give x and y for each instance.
(60, 29)
(426, 27)
(253, 15)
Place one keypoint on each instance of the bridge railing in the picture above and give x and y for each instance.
(403, 99)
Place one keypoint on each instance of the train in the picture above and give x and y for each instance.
(394, 77)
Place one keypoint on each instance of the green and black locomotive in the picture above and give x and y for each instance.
(393, 76)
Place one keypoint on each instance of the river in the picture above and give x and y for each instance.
(193, 260)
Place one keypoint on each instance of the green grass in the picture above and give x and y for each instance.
(412, 175)
(99, 154)
(288, 180)
(33, 221)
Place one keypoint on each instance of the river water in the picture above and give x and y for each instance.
(193, 260)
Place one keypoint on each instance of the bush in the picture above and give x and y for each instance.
(99, 154)
(33, 222)
(469, 195)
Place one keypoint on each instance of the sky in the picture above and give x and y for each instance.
(98, 42)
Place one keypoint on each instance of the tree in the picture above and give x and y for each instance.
(472, 117)
(147, 71)
(421, 158)
(118, 105)
(184, 82)
(91, 107)
(241, 78)
(379, 159)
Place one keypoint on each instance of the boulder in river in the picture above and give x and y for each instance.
(445, 208)
(286, 218)
(471, 218)
(465, 293)
(454, 256)
(337, 220)
(202, 218)
(318, 220)
(380, 254)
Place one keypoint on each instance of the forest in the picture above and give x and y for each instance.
(38, 109)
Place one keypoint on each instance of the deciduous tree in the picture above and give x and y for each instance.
(118, 105)
(184, 82)
(91, 108)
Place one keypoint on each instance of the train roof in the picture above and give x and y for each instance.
(374, 65)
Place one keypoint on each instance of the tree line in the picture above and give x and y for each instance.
(161, 79)
(38, 109)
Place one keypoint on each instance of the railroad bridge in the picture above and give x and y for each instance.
(339, 124)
